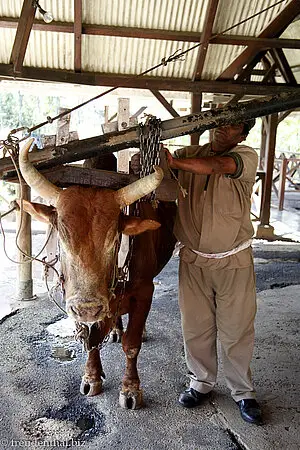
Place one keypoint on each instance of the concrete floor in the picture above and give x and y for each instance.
(40, 373)
(40, 376)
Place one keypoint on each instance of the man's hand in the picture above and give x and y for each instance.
(169, 157)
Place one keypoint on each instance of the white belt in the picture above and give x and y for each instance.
(235, 250)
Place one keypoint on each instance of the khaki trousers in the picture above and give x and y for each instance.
(219, 301)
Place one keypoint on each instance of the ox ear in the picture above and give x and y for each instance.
(42, 213)
(135, 225)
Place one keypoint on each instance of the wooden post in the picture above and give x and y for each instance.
(262, 155)
(282, 181)
(63, 126)
(123, 123)
(196, 107)
(24, 274)
(265, 230)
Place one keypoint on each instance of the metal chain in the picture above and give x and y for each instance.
(150, 136)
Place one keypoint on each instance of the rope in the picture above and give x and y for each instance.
(8, 212)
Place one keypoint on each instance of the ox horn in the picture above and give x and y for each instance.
(136, 190)
(35, 179)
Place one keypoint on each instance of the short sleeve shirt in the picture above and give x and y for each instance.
(217, 219)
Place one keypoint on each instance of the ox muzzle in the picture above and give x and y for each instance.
(88, 310)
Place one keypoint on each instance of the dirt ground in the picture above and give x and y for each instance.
(41, 368)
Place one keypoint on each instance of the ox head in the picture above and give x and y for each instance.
(89, 221)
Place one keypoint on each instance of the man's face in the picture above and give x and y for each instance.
(228, 135)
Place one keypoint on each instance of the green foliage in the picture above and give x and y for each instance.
(23, 109)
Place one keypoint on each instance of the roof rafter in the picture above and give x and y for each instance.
(22, 35)
(165, 103)
(152, 83)
(77, 34)
(273, 30)
(147, 33)
(205, 37)
(269, 76)
(283, 65)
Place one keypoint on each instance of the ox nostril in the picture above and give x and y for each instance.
(74, 310)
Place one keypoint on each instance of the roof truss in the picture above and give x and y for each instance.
(273, 30)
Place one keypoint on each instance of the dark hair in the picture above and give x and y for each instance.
(248, 124)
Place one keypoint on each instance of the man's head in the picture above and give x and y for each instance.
(248, 124)
(228, 136)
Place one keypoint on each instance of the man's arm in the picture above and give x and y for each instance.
(205, 165)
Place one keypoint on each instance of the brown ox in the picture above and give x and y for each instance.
(89, 221)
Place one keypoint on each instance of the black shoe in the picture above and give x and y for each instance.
(250, 411)
(191, 398)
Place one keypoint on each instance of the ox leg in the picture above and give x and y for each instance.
(91, 383)
(131, 396)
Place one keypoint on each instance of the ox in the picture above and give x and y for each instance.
(89, 221)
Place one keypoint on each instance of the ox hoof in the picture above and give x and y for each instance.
(90, 388)
(131, 400)
(115, 336)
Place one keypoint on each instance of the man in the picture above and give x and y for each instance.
(216, 276)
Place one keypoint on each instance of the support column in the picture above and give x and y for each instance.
(196, 107)
(24, 276)
(263, 142)
(265, 230)
(123, 123)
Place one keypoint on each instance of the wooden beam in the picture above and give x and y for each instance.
(283, 65)
(22, 35)
(205, 37)
(70, 175)
(273, 30)
(180, 126)
(269, 76)
(152, 83)
(259, 43)
(77, 34)
(245, 74)
(165, 103)
(147, 33)
(234, 100)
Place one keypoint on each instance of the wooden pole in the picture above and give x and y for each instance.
(180, 126)
(196, 107)
(24, 275)
(265, 230)
(282, 181)
(123, 123)
(262, 155)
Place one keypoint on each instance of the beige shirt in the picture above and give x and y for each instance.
(218, 219)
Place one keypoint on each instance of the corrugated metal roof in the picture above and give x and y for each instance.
(123, 55)
(180, 15)
(7, 37)
(232, 12)
(229, 13)
(132, 56)
(292, 55)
